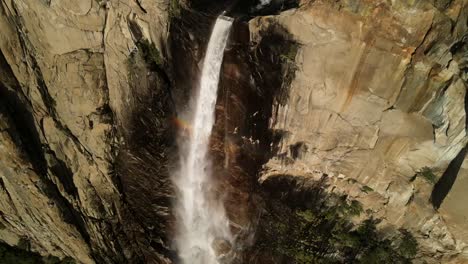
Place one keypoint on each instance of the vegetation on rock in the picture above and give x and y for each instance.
(367, 189)
(18, 255)
(174, 8)
(278, 62)
(150, 53)
(428, 175)
(322, 232)
(290, 53)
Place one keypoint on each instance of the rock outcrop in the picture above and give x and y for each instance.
(377, 107)
(68, 102)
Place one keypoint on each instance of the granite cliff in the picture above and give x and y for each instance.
(331, 115)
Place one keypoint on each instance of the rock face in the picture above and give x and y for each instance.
(362, 98)
(68, 100)
(377, 103)
(453, 207)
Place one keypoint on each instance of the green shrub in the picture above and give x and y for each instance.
(174, 8)
(24, 244)
(307, 215)
(355, 208)
(428, 175)
(150, 53)
(18, 255)
(408, 246)
(366, 189)
(348, 209)
(325, 234)
(290, 54)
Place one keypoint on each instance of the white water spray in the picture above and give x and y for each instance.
(202, 220)
(262, 4)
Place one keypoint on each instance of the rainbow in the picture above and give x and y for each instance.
(182, 125)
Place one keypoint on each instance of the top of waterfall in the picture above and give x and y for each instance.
(223, 16)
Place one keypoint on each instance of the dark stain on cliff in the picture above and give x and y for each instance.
(446, 182)
(27, 135)
(274, 65)
(254, 78)
(298, 149)
(188, 38)
(142, 163)
(359, 71)
(271, 69)
(244, 9)
(64, 174)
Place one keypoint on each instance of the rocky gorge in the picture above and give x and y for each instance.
(340, 132)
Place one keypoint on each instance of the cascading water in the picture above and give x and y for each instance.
(202, 219)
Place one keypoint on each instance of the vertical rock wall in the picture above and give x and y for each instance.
(67, 105)
(377, 103)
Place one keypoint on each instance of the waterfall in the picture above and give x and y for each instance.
(202, 222)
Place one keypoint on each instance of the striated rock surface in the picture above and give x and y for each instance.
(67, 108)
(31, 205)
(329, 99)
(377, 106)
